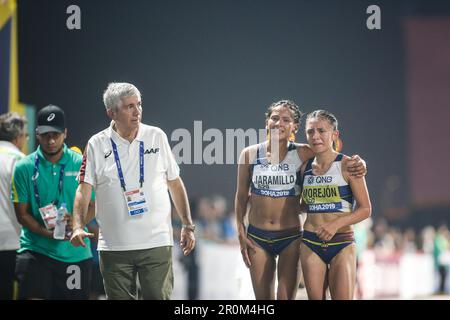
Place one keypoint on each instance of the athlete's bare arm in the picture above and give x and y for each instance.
(362, 211)
(355, 165)
(241, 202)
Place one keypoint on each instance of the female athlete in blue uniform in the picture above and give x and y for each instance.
(269, 182)
(328, 252)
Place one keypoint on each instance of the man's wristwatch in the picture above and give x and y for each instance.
(189, 227)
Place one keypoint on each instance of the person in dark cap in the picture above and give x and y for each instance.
(43, 183)
(51, 119)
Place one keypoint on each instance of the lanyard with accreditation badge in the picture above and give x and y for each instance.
(48, 212)
(35, 175)
(135, 197)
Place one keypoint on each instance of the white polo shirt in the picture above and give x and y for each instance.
(118, 230)
(9, 227)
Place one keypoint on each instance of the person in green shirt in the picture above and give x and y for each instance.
(43, 182)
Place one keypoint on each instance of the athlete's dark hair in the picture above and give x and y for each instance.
(295, 110)
(325, 115)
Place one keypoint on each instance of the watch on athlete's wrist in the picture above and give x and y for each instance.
(189, 227)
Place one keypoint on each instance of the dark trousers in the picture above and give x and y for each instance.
(442, 278)
(7, 266)
(41, 277)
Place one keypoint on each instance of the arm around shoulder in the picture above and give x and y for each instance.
(355, 165)
(360, 194)
(304, 152)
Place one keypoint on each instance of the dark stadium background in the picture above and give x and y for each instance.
(223, 62)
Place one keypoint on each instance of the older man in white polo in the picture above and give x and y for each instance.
(131, 168)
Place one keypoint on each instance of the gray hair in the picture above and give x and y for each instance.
(12, 125)
(116, 91)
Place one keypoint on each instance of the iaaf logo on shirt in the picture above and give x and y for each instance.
(151, 150)
(147, 151)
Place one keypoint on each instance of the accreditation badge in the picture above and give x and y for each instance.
(136, 201)
(48, 214)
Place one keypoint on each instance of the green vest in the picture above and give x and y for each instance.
(47, 182)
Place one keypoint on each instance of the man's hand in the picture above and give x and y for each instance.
(187, 242)
(78, 236)
(356, 166)
(68, 218)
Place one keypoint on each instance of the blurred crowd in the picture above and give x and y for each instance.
(388, 241)
(213, 219)
(215, 223)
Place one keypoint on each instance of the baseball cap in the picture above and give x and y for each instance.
(50, 119)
